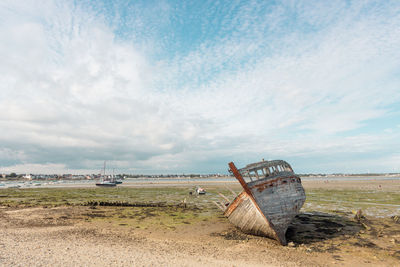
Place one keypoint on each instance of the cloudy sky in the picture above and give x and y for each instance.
(188, 86)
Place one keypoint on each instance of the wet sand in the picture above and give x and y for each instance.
(364, 183)
(68, 236)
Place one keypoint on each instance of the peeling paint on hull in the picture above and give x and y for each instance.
(268, 203)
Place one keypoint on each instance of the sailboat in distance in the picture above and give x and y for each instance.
(104, 182)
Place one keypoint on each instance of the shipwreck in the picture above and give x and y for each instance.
(272, 196)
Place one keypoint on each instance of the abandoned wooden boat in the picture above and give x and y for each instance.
(271, 198)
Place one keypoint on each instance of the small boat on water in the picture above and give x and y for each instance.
(269, 201)
(106, 182)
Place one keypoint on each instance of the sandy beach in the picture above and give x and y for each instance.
(76, 235)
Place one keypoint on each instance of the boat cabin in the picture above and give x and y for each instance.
(265, 169)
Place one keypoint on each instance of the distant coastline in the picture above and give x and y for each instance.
(88, 177)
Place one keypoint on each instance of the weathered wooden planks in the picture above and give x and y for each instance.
(267, 205)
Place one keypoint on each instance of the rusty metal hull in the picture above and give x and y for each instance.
(267, 205)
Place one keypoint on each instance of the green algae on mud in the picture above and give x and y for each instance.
(375, 203)
(379, 203)
(163, 203)
(145, 207)
(79, 196)
(148, 217)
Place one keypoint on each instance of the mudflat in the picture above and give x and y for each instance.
(167, 226)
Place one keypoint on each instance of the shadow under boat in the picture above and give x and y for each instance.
(311, 227)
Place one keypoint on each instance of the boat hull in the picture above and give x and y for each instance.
(106, 184)
(245, 214)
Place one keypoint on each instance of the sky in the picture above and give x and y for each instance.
(189, 86)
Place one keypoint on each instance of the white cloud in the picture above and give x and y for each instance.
(49, 168)
(74, 93)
